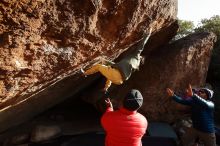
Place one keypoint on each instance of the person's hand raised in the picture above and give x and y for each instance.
(108, 103)
(189, 91)
(170, 92)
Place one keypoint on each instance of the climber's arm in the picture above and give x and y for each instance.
(107, 62)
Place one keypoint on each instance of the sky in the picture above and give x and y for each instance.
(195, 10)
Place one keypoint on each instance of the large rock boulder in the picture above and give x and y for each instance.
(175, 65)
(43, 43)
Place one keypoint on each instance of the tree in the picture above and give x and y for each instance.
(211, 25)
(185, 28)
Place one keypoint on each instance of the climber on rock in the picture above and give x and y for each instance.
(119, 72)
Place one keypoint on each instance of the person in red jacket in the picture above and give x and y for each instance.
(125, 127)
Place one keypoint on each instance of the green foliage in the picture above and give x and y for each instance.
(211, 25)
(185, 28)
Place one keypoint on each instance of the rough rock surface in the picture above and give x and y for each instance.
(175, 65)
(183, 62)
(43, 43)
(42, 133)
(44, 39)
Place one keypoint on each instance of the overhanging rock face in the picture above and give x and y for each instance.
(43, 43)
(176, 65)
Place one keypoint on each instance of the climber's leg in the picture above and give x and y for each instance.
(94, 69)
(111, 74)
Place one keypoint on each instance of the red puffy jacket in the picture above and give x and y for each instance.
(123, 127)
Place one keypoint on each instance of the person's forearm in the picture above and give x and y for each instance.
(108, 62)
(180, 100)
